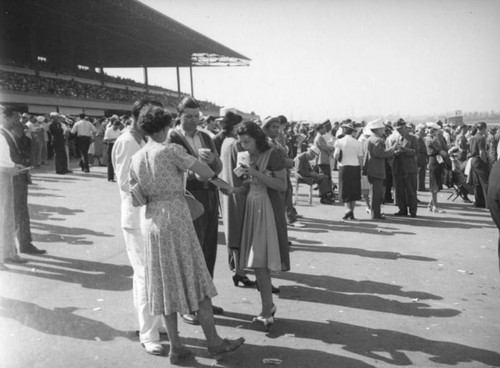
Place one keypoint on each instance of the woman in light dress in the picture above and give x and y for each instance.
(264, 239)
(177, 278)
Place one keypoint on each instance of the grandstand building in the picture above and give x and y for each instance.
(58, 64)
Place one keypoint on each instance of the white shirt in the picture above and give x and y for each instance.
(123, 150)
(5, 160)
(351, 148)
(84, 128)
(111, 134)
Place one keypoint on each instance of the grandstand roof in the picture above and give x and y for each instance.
(104, 33)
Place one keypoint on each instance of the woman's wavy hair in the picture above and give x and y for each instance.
(153, 119)
(253, 130)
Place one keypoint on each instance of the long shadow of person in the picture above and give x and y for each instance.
(381, 345)
(58, 321)
(89, 274)
(56, 233)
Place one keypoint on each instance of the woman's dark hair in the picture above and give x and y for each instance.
(142, 103)
(253, 130)
(153, 119)
(187, 103)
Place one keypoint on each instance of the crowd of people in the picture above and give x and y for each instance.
(172, 164)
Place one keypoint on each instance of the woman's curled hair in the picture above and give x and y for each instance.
(153, 119)
(253, 130)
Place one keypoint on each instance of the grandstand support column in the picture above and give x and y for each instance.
(178, 81)
(191, 78)
(146, 83)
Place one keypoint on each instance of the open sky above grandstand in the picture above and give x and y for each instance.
(319, 59)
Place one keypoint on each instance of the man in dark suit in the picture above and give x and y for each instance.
(20, 155)
(479, 165)
(200, 145)
(374, 166)
(404, 169)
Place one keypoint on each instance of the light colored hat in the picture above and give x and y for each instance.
(432, 125)
(269, 120)
(314, 150)
(40, 119)
(420, 126)
(367, 131)
(54, 114)
(375, 124)
(26, 115)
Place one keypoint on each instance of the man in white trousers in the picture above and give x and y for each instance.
(129, 142)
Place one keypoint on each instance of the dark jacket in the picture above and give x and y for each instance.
(374, 160)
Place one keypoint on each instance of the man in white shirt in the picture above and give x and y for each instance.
(129, 142)
(85, 132)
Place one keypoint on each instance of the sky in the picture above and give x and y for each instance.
(333, 59)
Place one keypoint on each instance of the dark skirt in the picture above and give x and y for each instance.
(435, 174)
(349, 183)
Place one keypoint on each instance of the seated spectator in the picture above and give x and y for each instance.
(306, 173)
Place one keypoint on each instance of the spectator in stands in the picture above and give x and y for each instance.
(479, 165)
(57, 132)
(349, 155)
(200, 145)
(8, 169)
(85, 132)
(308, 175)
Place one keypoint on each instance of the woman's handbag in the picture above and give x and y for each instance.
(195, 206)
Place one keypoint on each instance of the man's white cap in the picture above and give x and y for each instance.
(40, 119)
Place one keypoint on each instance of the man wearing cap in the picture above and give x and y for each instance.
(57, 131)
(479, 165)
(84, 131)
(306, 173)
(404, 169)
(374, 165)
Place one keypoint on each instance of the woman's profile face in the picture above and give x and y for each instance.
(273, 129)
(248, 143)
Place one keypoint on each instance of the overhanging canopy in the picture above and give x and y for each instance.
(104, 33)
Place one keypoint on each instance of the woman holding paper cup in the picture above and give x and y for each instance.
(264, 239)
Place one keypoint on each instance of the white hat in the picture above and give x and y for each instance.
(367, 131)
(375, 124)
(314, 150)
(40, 119)
(54, 114)
(432, 125)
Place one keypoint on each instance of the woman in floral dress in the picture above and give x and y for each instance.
(177, 278)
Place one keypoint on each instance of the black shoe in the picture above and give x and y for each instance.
(86, 170)
(326, 201)
(69, 172)
(348, 216)
(190, 318)
(274, 290)
(217, 310)
(381, 217)
(244, 280)
(31, 249)
(399, 213)
(413, 215)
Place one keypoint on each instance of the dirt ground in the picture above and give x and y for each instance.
(420, 292)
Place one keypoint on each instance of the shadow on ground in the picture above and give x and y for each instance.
(381, 345)
(89, 274)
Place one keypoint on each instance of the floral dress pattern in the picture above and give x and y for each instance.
(177, 278)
